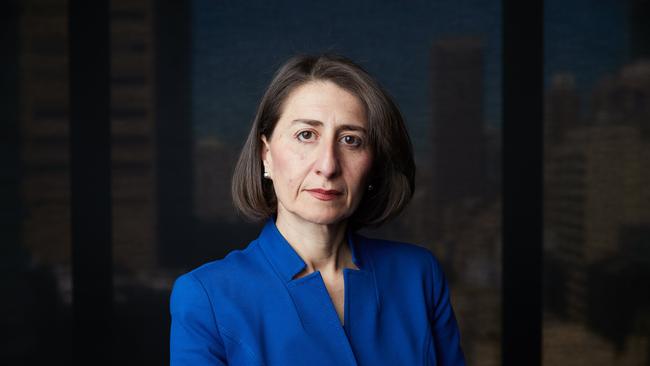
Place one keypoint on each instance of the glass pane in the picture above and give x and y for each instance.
(597, 175)
(141, 284)
(440, 60)
(36, 285)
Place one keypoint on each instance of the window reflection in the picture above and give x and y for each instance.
(597, 200)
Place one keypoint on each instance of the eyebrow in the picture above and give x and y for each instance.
(316, 123)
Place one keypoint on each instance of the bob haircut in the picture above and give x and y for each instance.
(392, 174)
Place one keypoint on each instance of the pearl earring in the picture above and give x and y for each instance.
(370, 187)
(266, 174)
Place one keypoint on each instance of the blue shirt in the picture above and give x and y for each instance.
(246, 309)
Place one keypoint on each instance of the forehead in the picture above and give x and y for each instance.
(322, 100)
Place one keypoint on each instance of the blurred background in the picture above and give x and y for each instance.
(183, 81)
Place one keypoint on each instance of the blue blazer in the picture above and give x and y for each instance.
(246, 309)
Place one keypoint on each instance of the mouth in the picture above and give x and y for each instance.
(324, 194)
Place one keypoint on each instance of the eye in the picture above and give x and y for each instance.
(305, 135)
(351, 140)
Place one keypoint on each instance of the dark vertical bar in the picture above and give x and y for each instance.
(11, 209)
(90, 164)
(638, 29)
(173, 132)
(522, 182)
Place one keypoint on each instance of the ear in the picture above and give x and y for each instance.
(266, 155)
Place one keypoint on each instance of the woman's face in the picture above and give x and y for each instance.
(319, 155)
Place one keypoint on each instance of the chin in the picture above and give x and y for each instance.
(326, 219)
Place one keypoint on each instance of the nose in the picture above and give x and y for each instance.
(327, 163)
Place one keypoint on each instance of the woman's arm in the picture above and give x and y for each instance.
(195, 338)
(446, 336)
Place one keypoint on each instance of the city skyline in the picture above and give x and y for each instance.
(228, 79)
(596, 201)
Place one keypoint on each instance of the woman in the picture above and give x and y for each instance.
(328, 154)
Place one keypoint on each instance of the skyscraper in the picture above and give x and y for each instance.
(133, 135)
(459, 143)
(44, 132)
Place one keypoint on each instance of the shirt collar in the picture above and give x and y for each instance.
(284, 258)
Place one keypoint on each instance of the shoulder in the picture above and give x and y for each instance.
(200, 301)
(381, 250)
(229, 274)
(405, 268)
(398, 255)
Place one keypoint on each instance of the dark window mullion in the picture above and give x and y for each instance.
(90, 180)
(522, 182)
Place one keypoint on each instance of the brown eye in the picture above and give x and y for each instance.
(351, 140)
(305, 135)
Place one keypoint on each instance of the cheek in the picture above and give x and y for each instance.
(365, 164)
(286, 149)
(360, 169)
(288, 166)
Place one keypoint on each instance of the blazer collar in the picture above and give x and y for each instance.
(285, 259)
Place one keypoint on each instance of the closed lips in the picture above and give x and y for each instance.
(325, 191)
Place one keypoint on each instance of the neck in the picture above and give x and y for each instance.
(322, 247)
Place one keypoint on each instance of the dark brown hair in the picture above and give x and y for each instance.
(393, 173)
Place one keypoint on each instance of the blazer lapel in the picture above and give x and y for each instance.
(323, 330)
(362, 305)
(319, 319)
(361, 308)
